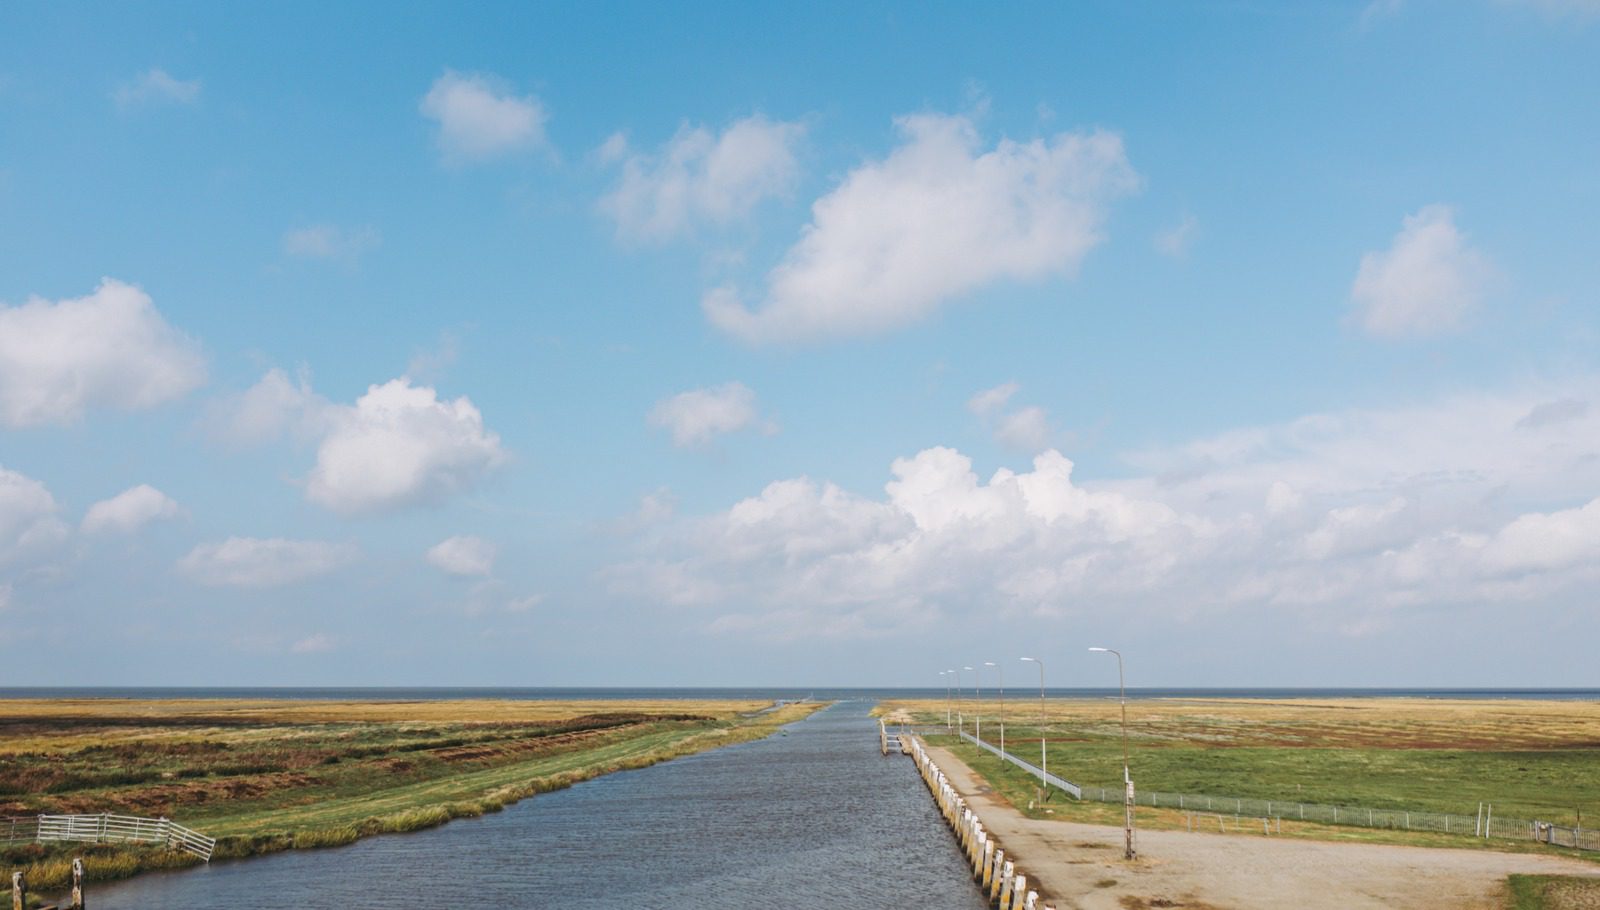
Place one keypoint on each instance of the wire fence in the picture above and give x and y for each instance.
(1485, 824)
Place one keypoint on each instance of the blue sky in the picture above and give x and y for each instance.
(605, 344)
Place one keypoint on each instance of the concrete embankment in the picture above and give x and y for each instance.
(1005, 884)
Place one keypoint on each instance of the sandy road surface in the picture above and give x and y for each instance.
(1081, 865)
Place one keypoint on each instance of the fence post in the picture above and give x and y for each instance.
(77, 883)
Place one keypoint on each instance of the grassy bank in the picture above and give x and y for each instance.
(1552, 892)
(275, 775)
(1534, 760)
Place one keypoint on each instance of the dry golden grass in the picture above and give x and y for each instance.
(1391, 723)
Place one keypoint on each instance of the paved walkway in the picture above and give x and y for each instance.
(1081, 865)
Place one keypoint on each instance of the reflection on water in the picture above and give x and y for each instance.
(815, 818)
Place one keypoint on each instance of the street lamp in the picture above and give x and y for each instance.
(958, 699)
(946, 675)
(1042, 763)
(977, 688)
(1001, 670)
(1127, 779)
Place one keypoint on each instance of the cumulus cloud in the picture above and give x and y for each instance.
(110, 349)
(326, 241)
(463, 555)
(1352, 515)
(697, 416)
(1428, 282)
(401, 445)
(940, 217)
(129, 511)
(253, 562)
(479, 118)
(700, 177)
(276, 406)
(29, 523)
(156, 86)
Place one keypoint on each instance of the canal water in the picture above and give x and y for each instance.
(813, 817)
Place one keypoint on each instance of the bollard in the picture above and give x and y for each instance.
(77, 883)
(988, 864)
(1032, 903)
(1005, 885)
(999, 864)
(19, 891)
(1019, 888)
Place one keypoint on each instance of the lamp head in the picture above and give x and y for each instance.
(1100, 649)
(1030, 660)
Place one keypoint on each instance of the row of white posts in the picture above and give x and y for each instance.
(1002, 882)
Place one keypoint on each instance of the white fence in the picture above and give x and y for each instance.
(1484, 824)
(107, 829)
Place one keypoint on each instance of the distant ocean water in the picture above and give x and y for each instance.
(763, 693)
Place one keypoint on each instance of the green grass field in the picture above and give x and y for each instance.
(1531, 760)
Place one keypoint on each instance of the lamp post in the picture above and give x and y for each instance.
(1042, 757)
(944, 674)
(1127, 779)
(959, 720)
(1001, 671)
(977, 698)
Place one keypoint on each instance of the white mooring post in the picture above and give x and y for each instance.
(77, 883)
(994, 882)
(19, 891)
(1006, 882)
(1019, 889)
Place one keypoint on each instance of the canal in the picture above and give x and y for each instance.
(812, 817)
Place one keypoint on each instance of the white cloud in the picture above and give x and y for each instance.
(463, 555)
(156, 86)
(989, 402)
(326, 241)
(524, 604)
(1350, 516)
(1176, 240)
(315, 643)
(1026, 428)
(1553, 412)
(479, 118)
(29, 526)
(401, 445)
(696, 416)
(700, 176)
(1428, 282)
(252, 562)
(938, 218)
(110, 349)
(272, 408)
(129, 511)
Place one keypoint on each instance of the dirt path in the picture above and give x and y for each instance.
(1082, 866)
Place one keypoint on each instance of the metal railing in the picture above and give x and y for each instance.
(1046, 776)
(107, 829)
